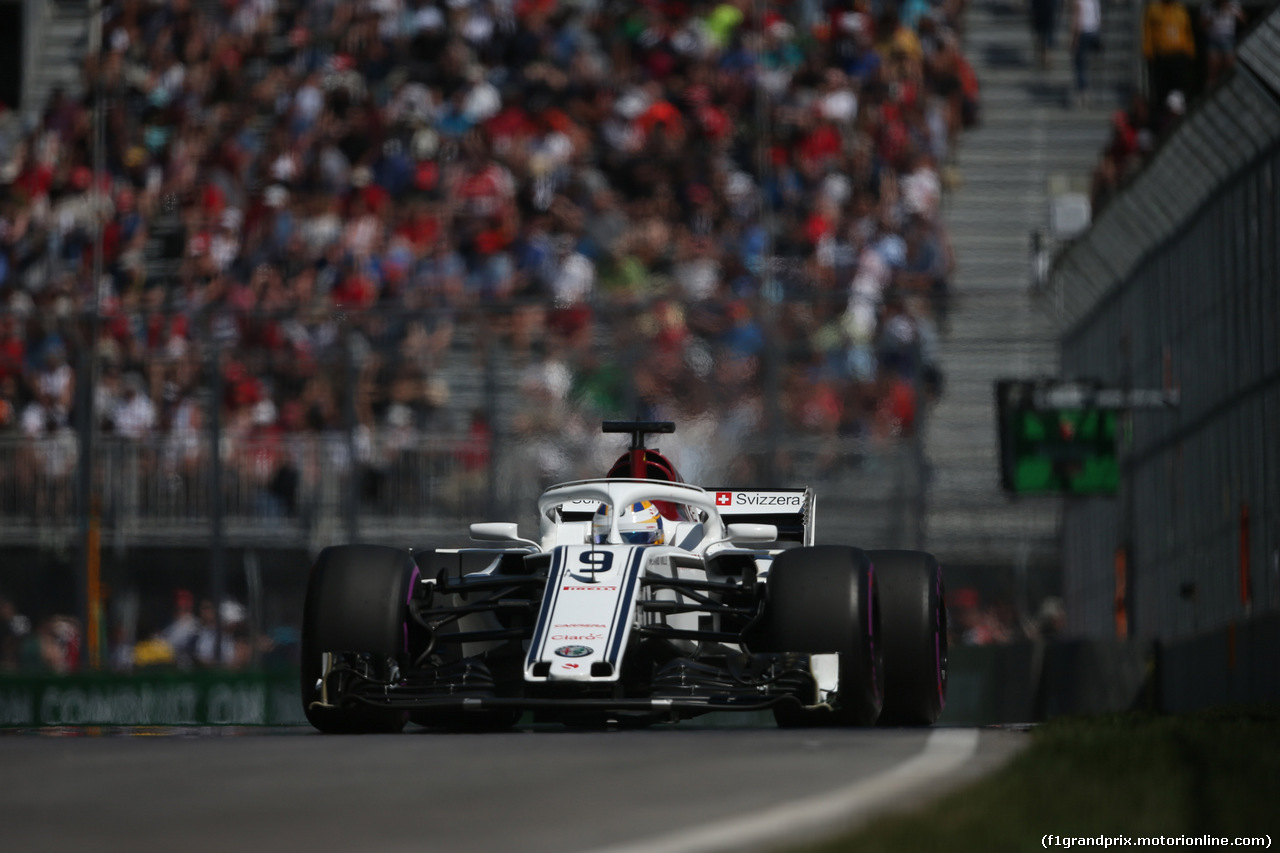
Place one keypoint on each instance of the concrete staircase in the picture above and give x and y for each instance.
(1031, 144)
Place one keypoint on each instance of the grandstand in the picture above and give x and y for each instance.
(296, 193)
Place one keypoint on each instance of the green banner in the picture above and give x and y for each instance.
(162, 699)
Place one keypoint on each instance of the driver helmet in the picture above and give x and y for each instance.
(640, 524)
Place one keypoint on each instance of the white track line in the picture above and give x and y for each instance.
(946, 750)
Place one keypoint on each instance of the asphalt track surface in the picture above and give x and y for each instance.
(663, 790)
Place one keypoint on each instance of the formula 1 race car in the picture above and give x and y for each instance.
(643, 599)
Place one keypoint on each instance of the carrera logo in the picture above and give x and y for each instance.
(581, 625)
(593, 588)
(724, 498)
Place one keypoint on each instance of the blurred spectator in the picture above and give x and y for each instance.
(12, 346)
(1044, 21)
(896, 412)
(181, 632)
(53, 647)
(1051, 619)
(52, 379)
(133, 415)
(1133, 137)
(14, 628)
(1175, 107)
(1220, 18)
(150, 651)
(9, 416)
(233, 651)
(1086, 39)
(45, 465)
(978, 624)
(1169, 46)
(281, 647)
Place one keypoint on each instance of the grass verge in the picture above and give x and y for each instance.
(1135, 774)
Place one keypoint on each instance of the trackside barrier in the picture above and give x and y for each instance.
(1236, 664)
(990, 684)
(1030, 682)
(1092, 676)
(1033, 681)
(163, 699)
(1177, 286)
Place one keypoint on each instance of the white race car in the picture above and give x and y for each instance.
(642, 599)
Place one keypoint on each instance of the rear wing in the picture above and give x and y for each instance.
(791, 510)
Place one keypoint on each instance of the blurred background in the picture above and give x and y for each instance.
(997, 279)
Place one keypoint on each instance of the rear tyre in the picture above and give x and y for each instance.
(822, 599)
(355, 609)
(914, 637)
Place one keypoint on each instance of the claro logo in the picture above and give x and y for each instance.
(593, 588)
(578, 637)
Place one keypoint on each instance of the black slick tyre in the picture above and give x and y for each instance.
(355, 608)
(822, 599)
(914, 636)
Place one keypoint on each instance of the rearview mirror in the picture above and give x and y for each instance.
(495, 531)
(750, 531)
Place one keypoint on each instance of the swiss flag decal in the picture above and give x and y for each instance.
(724, 498)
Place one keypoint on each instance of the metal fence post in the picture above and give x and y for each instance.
(491, 414)
(217, 562)
(350, 495)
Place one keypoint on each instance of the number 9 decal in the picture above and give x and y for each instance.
(599, 561)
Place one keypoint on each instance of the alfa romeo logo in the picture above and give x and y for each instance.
(574, 651)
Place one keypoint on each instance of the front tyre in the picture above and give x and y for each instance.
(355, 613)
(914, 637)
(823, 599)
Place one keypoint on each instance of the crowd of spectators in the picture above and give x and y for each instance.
(202, 636)
(191, 637)
(977, 620)
(1187, 54)
(298, 185)
(52, 644)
